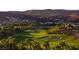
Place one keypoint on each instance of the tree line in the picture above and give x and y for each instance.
(11, 44)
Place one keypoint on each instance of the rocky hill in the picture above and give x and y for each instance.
(39, 15)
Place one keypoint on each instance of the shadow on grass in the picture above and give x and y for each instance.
(21, 35)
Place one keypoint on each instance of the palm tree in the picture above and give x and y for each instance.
(62, 44)
(2, 44)
(28, 43)
(9, 44)
(37, 46)
(46, 45)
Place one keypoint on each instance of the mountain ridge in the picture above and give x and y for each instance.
(47, 14)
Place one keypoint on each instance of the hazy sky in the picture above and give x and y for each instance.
(19, 5)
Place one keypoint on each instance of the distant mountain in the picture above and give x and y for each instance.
(39, 15)
(50, 13)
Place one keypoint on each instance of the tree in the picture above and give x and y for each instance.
(37, 46)
(62, 44)
(46, 45)
(9, 44)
